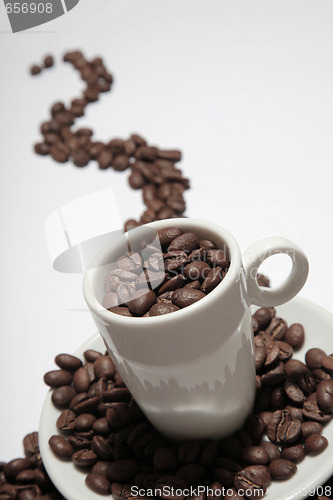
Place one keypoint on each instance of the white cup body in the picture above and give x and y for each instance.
(192, 372)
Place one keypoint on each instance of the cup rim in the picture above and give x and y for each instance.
(222, 288)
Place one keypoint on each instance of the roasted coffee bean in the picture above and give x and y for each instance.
(312, 411)
(255, 428)
(324, 393)
(309, 428)
(295, 335)
(122, 470)
(164, 459)
(86, 406)
(252, 479)
(262, 317)
(172, 284)
(286, 351)
(30, 444)
(162, 308)
(81, 380)
(84, 422)
(98, 483)
(294, 453)
(9, 491)
(90, 355)
(61, 447)
(117, 395)
(101, 447)
(260, 356)
(191, 473)
(14, 467)
(282, 428)
(104, 367)
(118, 416)
(66, 421)
(278, 399)
(327, 363)
(255, 455)
(217, 258)
(84, 458)
(298, 371)
(184, 242)
(79, 442)
(122, 311)
(294, 393)
(313, 358)
(48, 61)
(62, 396)
(315, 444)
(57, 378)
(68, 362)
(231, 494)
(41, 148)
(320, 374)
(274, 376)
(170, 487)
(194, 284)
(184, 297)
(277, 328)
(272, 450)
(140, 305)
(35, 70)
(272, 355)
(214, 277)
(282, 469)
(197, 270)
(104, 159)
(188, 452)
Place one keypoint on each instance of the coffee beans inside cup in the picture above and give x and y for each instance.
(173, 271)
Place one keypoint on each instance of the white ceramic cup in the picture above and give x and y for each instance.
(192, 371)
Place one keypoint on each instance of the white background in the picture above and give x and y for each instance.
(243, 88)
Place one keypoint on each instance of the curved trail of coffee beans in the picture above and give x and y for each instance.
(102, 428)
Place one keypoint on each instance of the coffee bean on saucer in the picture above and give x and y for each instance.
(98, 483)
(68, 362)
(61, 447)
(327, 363)
(84, 458)
(252, 479)
(325, 395)
(58, 378)
(31, 444)
(282, 469)
(295, 335)
(315, 444)
(282, 428)
(295, 453)
(255, 455)
(313, 358)
(66, 421)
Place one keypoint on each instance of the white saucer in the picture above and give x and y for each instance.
(312, 472)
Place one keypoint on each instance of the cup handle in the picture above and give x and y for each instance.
(260, 251)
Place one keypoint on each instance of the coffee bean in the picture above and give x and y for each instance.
(294, 453)
(170, 487)
(253, 479)
(272, 355)
(81, 380)
(327, 363)
(214, 277)
(162, 308)
(98, 483)
(197, 270)
(122, 311)
(104, 367)
(260, 356)
(61, 447)
(274, 376)
(35, 70)
(41, 148)
(313, 358)
(84, 422)
(84, 458)
(262, 317)
(66, 421)
(62, 396)
(282, 428)
(68, 362)
(172, 284)
(122, 470)
(48, 61)
(88, 405)
(282, 469)
(184, 297)
(30, 444)
(295, 335)
(184, 242)
(255, 428)
(57, 378)
(315, 444)
(294, 393)
(298, 371)
(255, 455)
(286, 351)
(272, 450)
(217, 258)
(277, 328)
(142, 304)
(309, 428)
(8, 491)
(312, 411)
(325, 395)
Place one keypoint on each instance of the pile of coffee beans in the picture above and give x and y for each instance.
(48, 62)
(152, 169)
(26, 478)
(174, 271)
(104, 432)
